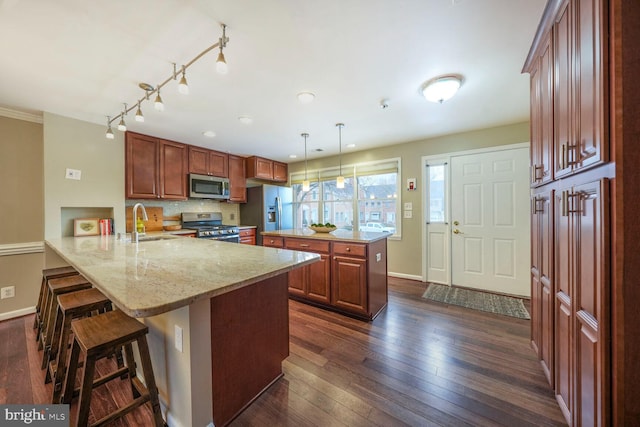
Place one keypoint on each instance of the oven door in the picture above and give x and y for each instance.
(233, 238)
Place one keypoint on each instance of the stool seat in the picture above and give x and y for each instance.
(56, 287)
(72, 305)
(98, 337)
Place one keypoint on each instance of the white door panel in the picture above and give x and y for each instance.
(490, 221)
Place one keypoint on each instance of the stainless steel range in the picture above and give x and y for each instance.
(209, 226)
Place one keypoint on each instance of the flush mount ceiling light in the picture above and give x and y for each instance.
(306, 97)
(350, 145)
(183, 87)
(306, 185)
(209, 133)
(441, 88)
(293, 156)
(245, 120)
(340, 178)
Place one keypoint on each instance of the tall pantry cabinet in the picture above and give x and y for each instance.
(570, 179)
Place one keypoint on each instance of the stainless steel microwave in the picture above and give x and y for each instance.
(208, 187)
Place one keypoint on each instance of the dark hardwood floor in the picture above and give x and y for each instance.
(419, 363)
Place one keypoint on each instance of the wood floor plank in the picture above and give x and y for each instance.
(419, 363)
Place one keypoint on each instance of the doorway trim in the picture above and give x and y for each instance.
(439, 159)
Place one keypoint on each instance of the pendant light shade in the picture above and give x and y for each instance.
(158, 104)
(109, 134)
(306, 185)
(340, 178)
(183, 87)
(139, 116)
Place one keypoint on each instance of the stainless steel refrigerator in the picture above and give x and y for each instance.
(269, 208)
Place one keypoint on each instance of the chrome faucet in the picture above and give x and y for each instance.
(135, 234)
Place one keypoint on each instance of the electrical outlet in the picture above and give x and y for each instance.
(378, 257)
(178, 337)
(8, 292)
(232, 216)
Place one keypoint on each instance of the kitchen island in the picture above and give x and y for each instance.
(351, 276)
(217, 314)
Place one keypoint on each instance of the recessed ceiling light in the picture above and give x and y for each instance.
(350, 145)
(245, 120)
(209, 133)
(293, 156)
(306, 97)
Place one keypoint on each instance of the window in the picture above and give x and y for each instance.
(436, 192)
(368, 201)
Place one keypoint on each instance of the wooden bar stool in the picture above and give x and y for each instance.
(56, 287)
(71, 306)
(48, 273)
(97, 337)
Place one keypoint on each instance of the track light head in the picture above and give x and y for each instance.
(183, 87)
(122, 126)
(109, 134)
(221, 63)
(139, 116)
(158, 104)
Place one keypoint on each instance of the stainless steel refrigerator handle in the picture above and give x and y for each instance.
(279, 213)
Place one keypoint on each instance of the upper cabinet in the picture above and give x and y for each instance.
(270, 170)
(542, 116)
(237, 179)
(580, 98)
(208, 162)
(155, 168)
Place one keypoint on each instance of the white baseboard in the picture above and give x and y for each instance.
(17, 313)
(405, 276)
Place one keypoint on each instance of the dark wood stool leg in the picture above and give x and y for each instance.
(61, 360)
(70, 382)
(55, 342)
(85, 391)
(131, 365)
(145, 359)
(43, 289)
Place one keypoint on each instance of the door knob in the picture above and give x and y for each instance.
(456, 231)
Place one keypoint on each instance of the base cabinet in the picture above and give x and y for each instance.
(248, 236)
(351, 277)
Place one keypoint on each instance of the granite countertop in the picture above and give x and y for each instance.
(247, 226)
(338, 235)
(153, 277)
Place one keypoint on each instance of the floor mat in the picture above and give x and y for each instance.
(476, 300)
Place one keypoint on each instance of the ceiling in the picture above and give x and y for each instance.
(83, 59)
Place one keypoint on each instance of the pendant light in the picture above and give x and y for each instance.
(183, 86)
(340, 178)
(306, 186)
(109, 134)
(221, 63)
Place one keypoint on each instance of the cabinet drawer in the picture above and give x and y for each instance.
(307, 245)
(274, 242)
(247, 232)
(352, 249)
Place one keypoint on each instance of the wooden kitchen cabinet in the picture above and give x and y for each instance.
(351, 276)
(208, 162)
(541, 148)
(266, 169)
(312, 282)
(155, 168)
(542, 287)
(580, 97)
(237, 179)
(248, 236)
(570, 238)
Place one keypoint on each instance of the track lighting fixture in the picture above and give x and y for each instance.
(306, 185)
(158, 104)
(122, 127)
(183, 87)
(139, 116)
(109, 133)
(340, 178)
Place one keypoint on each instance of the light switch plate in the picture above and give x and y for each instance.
(73, 174)
(408, 206)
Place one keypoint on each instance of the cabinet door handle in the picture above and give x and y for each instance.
(565, 203)
(304, 245)
(563, 156)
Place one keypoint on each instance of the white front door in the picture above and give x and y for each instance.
(490, 237)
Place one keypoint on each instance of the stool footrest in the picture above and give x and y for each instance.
(122, 411)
